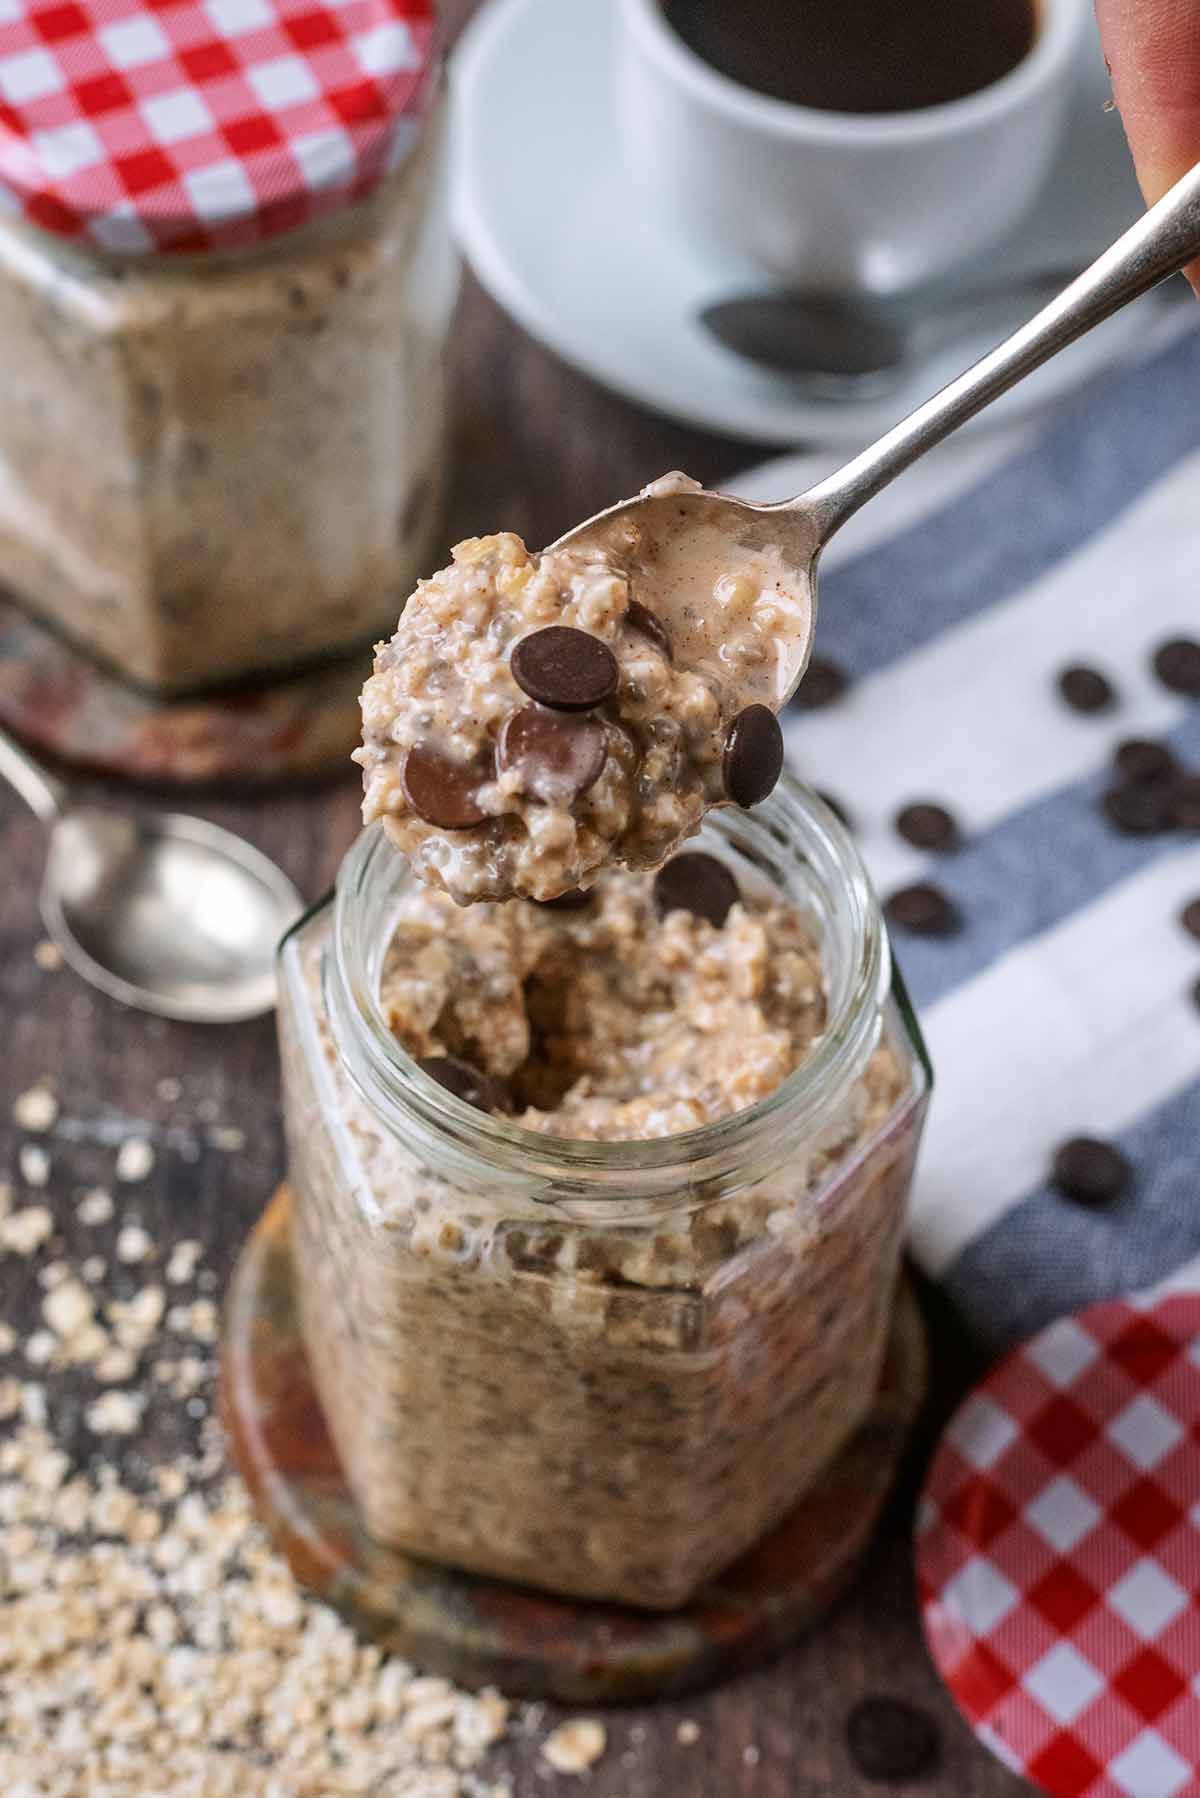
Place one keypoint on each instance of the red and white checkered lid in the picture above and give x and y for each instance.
(189, 125)
(1058, 1554)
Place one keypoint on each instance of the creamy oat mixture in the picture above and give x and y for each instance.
(217, 464)
(617, 1020)
(613, 1405)
(537, 717)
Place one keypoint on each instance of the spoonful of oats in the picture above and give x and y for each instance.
(537, 717)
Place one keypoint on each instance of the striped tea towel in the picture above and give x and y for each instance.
(1064, 1007)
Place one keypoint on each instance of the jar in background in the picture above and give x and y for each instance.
(601, 1368)
(226, 278)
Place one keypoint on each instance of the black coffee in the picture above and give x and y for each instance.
(858, 55)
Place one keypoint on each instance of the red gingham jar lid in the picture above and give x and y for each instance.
(188, 125)
(1058, 1554)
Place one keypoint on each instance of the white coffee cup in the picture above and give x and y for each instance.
(835, 200)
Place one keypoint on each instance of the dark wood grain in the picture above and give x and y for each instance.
(539, 446)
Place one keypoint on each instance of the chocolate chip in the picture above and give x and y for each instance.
(467, 1083)
(927, 825)
(550, 749)
(1139, 759)
(753, 755)
(1177, 665)
(641, 618)
(574, 899)
(697, 883)
(1184, 798)
(566, 669)
(1086, 689)
(1189, 917)
(924, 910)
(823, 684)
(1139, 808)
(442, 791)
(891, 1741)
(1090, 1171)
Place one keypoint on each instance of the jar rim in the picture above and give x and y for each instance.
(795, 824)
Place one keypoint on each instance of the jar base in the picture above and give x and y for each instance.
(479, 1631)
(282, 726)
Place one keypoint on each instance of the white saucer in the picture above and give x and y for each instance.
(560, 238)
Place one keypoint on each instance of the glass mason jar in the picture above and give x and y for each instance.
(601, 1368)
(229, 462)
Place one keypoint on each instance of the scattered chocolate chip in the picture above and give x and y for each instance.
(1139, 759)
(823, 684)
(1139, 808)
(927, 825)
(1090, 1171)
(924, 910)
(1177, 665)
(467, 1083)
(442, 791)
(697, 883)
(1086, 689)
(1184, 798)
(643, 619)
(574, 899)
(550, 748)
(891, 1741)
(566, 669)
(753, 755)
(1189, 917)
(836, 807)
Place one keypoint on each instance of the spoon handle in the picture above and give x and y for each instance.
(41, 792)
(1164, 241)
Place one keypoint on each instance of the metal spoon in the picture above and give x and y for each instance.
(162, 911)
(669, 526)
(857, 344)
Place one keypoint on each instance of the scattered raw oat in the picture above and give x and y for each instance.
(34, 1164)
(68, 1307)
(115, 1413)
(39, 1347)
(182, 1263)
(114, 1365)
(169, 1089)
(751, 1755)
(135, 1159)
(227, 1137)
(688, 1732)
(93, 1268)
(48, 956)
(23, 1232)
(8, 1338)
(576, 1746)
(95, 1207)
(35, 1110)
(133, 1243)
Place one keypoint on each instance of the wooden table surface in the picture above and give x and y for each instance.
(538, 447)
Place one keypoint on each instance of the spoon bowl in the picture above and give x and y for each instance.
(167, 913)
(164, 912)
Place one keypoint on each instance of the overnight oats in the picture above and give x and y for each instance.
(222, 351)
(537, 717)
(598, 1204)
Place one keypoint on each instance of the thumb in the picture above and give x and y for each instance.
(1153, 51)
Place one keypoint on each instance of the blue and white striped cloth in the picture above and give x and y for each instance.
(1065, 1006)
